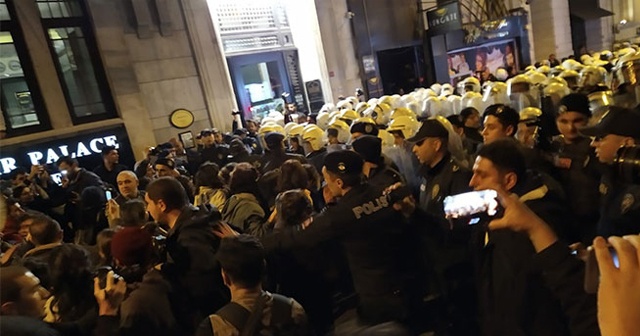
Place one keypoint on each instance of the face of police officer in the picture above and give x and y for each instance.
(568, 124)
(607, 146)
(494, 130)
(333, 183)
(487, 176)
(127, 184)
(426, 150)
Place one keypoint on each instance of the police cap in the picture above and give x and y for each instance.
(364, 127)
(615, 120)
(430, 128)
(505, 114)
(166, 162)
(343, 162)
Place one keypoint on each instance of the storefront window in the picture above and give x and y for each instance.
(77, 60)
(16, 95)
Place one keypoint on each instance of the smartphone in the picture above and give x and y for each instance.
(592, 271)
(469, 204)
(108, 194)
(63, 172)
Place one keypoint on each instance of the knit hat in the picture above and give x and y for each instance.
(575, 102)
(131, 246)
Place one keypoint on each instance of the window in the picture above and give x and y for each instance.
(22, 108)
(77, 60)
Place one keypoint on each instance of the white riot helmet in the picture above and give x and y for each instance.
(348, 116)
(599, 100)
(343, 132)
(471, 99)
(626, 83)
(446, 90)
(556, 70)
(554, 92)
(353, 100)
(312, 139)
(415, 107)
(571, 76)
(537, 78)
(496, 93)
(295, 131)
(436, 88)
(455, 103)
(328, 107)
(401, 111)
(288, 126)
(432, 106)
(469, 84)
(454, 142)
(407, 125)
(344, 105)
(322, 120)
(522, 93)
(591, 76)
(361, 107)
(501, 74)
(528, 127)
(544, 69)
(387, 138)
(571, 64)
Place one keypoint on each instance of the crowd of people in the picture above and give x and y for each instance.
(334, 223)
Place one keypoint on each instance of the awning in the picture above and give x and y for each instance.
(587, 9)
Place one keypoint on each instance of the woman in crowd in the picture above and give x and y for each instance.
(243, 209)
(209, 186)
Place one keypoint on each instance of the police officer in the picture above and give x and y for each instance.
(213, 150)
(276, 154)
(314, 146)
(445, 247)
(378, 172)
(613, 135)
(374, 237)
(576, 167)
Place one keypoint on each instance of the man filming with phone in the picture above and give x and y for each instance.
(513, 296)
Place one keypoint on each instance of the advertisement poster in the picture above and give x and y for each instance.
(483, 61)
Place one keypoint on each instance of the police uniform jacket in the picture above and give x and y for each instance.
(444, 179)
(620, 209)
(317, 158)
(579, 173)
(513, 296)
(274, 159)
(384, 176)
(216, 154)
(374, 237)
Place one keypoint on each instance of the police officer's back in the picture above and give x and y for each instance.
(276, 154)
(378, 172)
(372, 233)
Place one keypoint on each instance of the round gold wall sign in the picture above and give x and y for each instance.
(181, 118)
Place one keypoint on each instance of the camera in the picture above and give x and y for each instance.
(101, 273)
(627, 164)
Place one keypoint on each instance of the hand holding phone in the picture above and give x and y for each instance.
(619, 291)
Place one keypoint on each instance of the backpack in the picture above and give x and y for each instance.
(248, 323)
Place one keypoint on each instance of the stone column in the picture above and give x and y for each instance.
(211, 64)
(339, 48)
(551, 28)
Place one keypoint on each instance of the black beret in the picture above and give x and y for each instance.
(369, 147)
(205, 132)
(575, 102)
(343, 162)
(364, 127)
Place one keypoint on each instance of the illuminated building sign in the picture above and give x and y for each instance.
(444, 19)
(86, 147)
